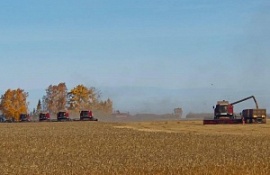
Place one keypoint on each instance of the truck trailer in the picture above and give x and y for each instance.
(254, 115)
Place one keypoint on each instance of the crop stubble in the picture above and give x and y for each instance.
(134, 148)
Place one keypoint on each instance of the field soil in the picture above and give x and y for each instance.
(152, 147)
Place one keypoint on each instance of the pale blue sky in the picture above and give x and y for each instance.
(169, 44)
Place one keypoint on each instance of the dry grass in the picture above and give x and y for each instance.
(172, 147)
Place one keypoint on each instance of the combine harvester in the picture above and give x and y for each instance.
(24, 118)
(63, 116)
(86, 115)
(44, 116)
(224, 114)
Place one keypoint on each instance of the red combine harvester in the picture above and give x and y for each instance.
(87, 115)
(24, 118)
(44, 116)
(224, 113)
(63, 116)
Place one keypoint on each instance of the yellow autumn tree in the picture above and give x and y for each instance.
(82, 97)
(13, 103)
(56, 98)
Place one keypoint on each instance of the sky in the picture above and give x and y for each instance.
(146, 55)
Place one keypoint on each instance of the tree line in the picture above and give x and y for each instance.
(57, 97)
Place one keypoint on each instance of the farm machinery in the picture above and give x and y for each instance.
(63, 116)
(2, 119)
(87, 115)
(44, 116)
(224, 113)
(24, 118)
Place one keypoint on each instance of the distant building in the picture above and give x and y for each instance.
(178, 112)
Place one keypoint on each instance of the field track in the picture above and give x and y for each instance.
(165, 147)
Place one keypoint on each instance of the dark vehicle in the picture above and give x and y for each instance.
(87, 115)
(3, 118)
(44, 116)
(24, 118)
(63, 116)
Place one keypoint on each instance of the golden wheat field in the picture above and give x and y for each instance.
(165, 147)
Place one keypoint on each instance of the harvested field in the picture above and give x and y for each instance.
(166, 147)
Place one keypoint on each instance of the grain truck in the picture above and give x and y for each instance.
(254, 115)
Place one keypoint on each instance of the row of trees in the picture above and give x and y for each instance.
(14, 102)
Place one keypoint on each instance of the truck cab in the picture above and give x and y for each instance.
(87, 115)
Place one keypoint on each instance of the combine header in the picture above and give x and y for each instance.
(224, 114)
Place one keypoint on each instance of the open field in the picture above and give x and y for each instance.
(165, 147)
